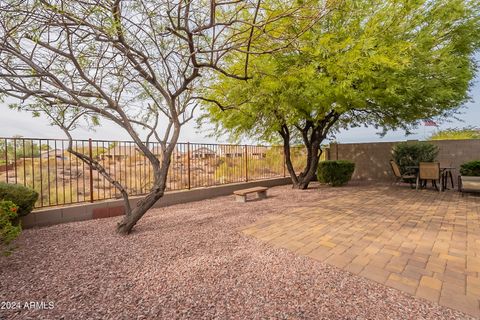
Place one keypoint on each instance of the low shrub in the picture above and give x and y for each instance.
(335, 172)
(23, 197)
(8, 230)
(412, 153)
(471, 168)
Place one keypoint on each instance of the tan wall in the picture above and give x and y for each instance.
(372, 159)
(112, 208)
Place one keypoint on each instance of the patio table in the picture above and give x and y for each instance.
(445, 173)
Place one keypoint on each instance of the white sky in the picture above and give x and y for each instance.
(22, 123)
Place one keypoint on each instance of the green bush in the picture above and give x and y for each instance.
(8, 230)
(23, 197)
(471, 168)
(412, 153)
(335, 172)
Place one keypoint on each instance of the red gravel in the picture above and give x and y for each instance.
(190, 261)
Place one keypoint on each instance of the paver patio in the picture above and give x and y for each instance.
(423, 242)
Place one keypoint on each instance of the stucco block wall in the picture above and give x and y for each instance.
(372, 160)
(112, 208)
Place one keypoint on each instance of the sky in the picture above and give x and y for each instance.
(23, 124)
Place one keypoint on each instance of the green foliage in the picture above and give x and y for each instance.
(18, 148)
(471, 168)
(384, 63)
(457, 134)
(412, 153)
(23, 197)
(335, 172)
(8, 230)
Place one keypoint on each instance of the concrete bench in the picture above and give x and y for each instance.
(241, 195)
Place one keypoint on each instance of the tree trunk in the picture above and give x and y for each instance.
(131, 219)
(160, 183)
(313, 156)
(313, 135)
(304, 178)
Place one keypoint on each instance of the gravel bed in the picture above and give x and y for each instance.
(190, 261)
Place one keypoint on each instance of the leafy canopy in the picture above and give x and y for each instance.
(383, 63)
(466, 133)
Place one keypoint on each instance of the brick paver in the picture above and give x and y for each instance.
(424, 242)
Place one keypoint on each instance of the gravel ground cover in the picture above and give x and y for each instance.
(190, 261)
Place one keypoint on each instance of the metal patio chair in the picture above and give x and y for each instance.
(430, 171)
(401, 177)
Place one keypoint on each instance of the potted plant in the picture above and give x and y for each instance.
(470, 176)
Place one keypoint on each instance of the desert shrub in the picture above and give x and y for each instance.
(412, 153)
(335, 172)
(23, 197)
(8, 230)
(471, 168)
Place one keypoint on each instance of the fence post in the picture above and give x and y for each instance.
(6, 160)
(188, 165)
(246, 164)
(14, 158)
(90, 154)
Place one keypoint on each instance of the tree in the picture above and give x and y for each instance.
(136, 63)
(466, 133)
(17, 148)
(381, 63)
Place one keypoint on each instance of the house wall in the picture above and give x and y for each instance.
(372, 160)
(5, 167)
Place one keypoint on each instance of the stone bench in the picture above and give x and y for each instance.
(241, 195)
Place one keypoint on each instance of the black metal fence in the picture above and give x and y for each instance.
(61, 178)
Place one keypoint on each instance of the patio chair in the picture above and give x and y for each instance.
(429, 171)
(401, 177)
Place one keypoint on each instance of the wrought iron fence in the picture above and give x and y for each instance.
(60, 178)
